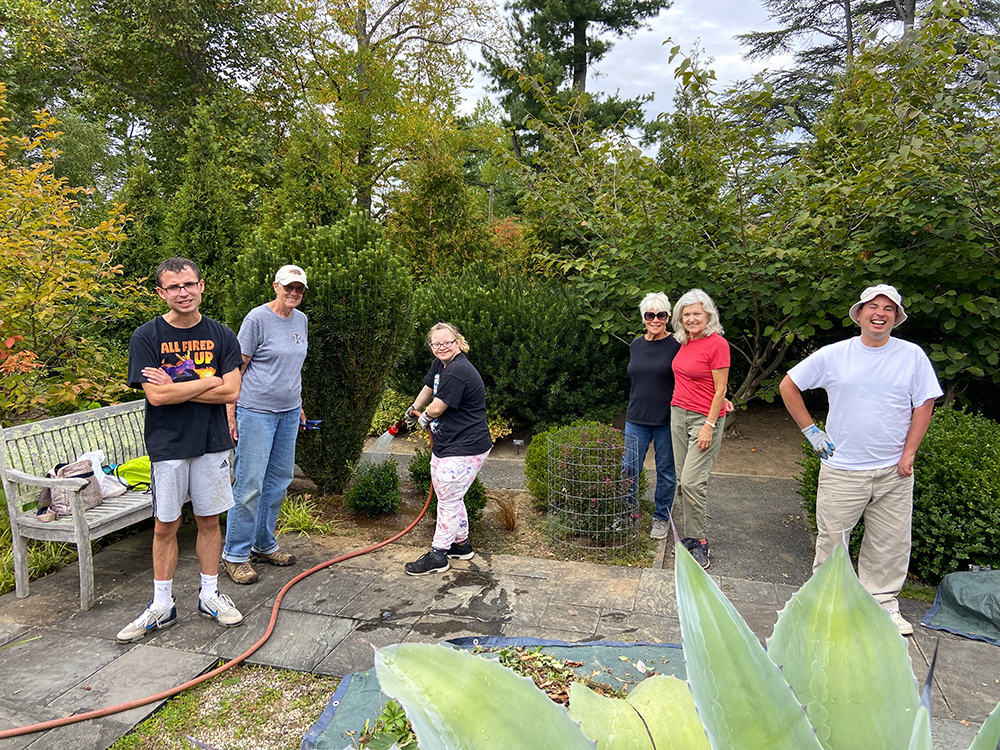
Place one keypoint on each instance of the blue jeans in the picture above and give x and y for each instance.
(666, 482)
(265, 462)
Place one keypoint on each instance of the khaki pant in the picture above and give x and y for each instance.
(885, 499)
(692, 467)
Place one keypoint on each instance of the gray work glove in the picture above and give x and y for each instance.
(424, 420)
(819, 440)
(411, 416)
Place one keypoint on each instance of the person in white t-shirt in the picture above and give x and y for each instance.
(881, 391)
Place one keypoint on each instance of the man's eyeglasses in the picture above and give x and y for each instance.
(443, 344)
(175, 289)
(651, 316)
(293, 288)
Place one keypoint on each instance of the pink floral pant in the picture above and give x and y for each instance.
(452, 478)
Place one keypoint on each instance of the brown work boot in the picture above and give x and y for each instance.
(241, 573)
(279, 558)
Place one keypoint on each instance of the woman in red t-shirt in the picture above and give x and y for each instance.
(701, 373)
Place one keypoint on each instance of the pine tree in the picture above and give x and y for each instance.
(204, 222)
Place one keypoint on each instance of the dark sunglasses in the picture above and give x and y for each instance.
(651, 316)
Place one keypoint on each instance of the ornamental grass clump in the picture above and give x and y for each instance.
(836, 675)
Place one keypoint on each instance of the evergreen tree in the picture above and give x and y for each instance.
(434, 220)
(142, 249)
(204, 223)
(825, 35)
(311, 184)
(567, 30)
(552, 47)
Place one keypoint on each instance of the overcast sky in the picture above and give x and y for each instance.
(640, 65)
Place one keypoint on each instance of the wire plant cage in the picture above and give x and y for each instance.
(593, 501)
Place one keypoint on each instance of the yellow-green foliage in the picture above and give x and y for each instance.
(59, 284)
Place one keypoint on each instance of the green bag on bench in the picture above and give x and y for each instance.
(136, 474)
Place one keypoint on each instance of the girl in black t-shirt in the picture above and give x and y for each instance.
(455, 401)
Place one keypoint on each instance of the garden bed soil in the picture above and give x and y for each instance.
(489, 535)
(763, 442)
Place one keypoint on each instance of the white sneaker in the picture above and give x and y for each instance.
(905, 628)
(151, 619)
(221, 609)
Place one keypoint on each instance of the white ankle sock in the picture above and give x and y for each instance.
(163, 594)
(209, 586)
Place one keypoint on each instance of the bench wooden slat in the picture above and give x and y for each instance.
(36, 447)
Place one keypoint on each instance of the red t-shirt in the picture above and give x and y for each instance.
(694, 388)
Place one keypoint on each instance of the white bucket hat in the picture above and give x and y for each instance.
(874, 291)
(289, 275)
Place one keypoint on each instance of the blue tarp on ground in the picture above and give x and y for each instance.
(968, 604)
(358, 697)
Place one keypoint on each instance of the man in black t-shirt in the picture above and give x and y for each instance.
(188, 366)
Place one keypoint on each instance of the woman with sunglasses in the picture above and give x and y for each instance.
(453, 401)
(648, 417)
(264, 424)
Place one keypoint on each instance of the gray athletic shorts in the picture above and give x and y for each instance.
(204, 478)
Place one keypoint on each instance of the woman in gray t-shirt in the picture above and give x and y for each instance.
(264, 424)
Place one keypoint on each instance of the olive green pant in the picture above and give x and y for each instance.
(693, 467)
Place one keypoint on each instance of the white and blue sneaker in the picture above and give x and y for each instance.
(221, 609)
(151, 619)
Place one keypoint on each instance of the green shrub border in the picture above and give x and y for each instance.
(956, 498)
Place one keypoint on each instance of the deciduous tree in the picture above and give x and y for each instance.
(60, 286)
(383, 70)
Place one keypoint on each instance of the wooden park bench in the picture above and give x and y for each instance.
(28, 451)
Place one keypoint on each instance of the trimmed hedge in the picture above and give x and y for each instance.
(358, 305)
(956, 500)
(536, 464)
(540, 362)
(374, 490)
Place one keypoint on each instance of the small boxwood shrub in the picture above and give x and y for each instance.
(420, 475)
(956, 499)
(536, 464)
(374, 490)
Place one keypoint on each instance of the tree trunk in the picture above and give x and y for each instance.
(362, 184)
(580, 55)
(907, 10)
(849, 30)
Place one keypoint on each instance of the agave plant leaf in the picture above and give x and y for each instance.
(659, 713)
(920, 739)
(846, 661)
(741, 697)
(989, 735)
(457, 701)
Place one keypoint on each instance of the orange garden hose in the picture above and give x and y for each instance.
(53, 723)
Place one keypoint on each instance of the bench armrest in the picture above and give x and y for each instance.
(55, 483)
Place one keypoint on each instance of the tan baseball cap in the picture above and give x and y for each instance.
(874, 291)
(289, 275)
